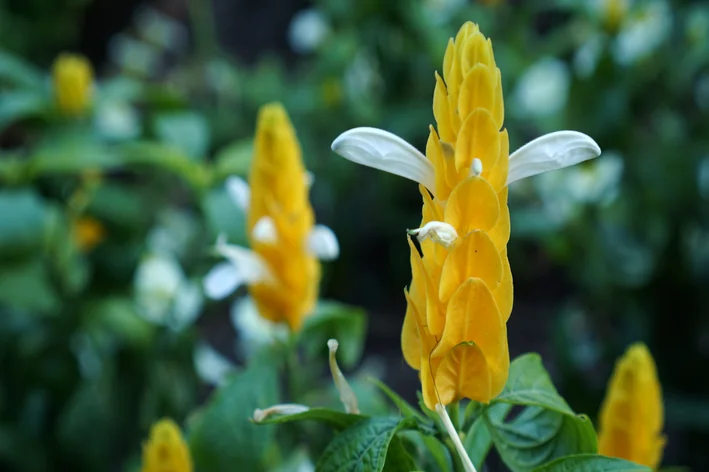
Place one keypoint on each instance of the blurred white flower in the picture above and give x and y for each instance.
(642, 32)
(362, 76)
(543, 88)
(308, 29)
(588, 54)
(117, 120)
(163, 295)
(254, 330)
(211, 366)
(159, 29)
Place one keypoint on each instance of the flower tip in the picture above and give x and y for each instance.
(259, 415)
(332, 345)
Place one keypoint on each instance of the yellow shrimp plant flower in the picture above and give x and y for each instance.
(166, 450)
(72, 76)
(282, 268)
(460, 296)
(631, 415)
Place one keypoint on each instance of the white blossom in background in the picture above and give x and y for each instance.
(254, 330)
(308, 29)
(211, 366)
(117, 120)
(642, 32)
(588, 54)
(543, 89)
(157, 28)
(362, 76)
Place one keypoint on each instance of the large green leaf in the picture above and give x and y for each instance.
(591, 463)
(15, 71)
(234, 159)
(334, 418)
(71, 152)
(346, 323)
(537, 436)
(222, 438)
(530, 384)
(478, 441)
(167, 157)
(404, 407)
(19, 104)
(364, 446)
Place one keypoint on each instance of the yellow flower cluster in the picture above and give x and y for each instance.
(460, 296)
(279, 197)
(73, 84)
(166, 450)
(631, 415)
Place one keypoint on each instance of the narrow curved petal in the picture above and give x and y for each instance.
(250, 266)
(264, 231)
(550, 152)
(385, 151)
(239, 191)
(221, 281)
(322, 243)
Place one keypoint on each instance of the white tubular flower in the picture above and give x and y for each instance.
(284, 409)
(239, 192)
(243, 267)
(264, 231)
(385, 151)
(322, 243)
(438, 231)
(347, 395)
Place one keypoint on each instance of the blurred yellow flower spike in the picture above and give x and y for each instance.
(282, 267)
(631, 416)
(460, 297)
(166, 450)
(280, 219)
(73, 83)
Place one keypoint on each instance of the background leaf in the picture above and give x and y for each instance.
(346, 323)
(591, 463)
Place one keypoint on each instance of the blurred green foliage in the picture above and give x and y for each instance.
(99, 343)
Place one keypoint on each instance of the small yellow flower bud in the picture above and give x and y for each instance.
(166, 449)
(73, 84)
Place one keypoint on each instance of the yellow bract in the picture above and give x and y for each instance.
(166, 450)
(279, 191)
(73, 83)
(461, 297)
(631, 415)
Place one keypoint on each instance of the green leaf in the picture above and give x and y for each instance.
(165, 157)
(346, 323)
(26, 285)
(334, 418)
(398, 458)
(25, 223)
(537, 436)
(234, 159)
(222, 438)
(364, 446)
(186, 131)
(223, 216)
(591, 463)
(404, 407)
(478, 441)
(19, 104)
(70, 153)
(15, 71)
(530, 384)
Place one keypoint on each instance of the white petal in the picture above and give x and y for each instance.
(264, 231)
(322, 243)
(222, 280)
(385, 151)
(211, 366)
(438, 231)
(550, 152)
(239, 191)
(251, 267)
(309, 178)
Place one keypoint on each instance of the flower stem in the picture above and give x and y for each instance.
(464, 458)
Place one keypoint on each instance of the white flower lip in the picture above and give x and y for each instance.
(221, 281)
(322, 243)
(385, 151)
(550, 152)
(245, 267)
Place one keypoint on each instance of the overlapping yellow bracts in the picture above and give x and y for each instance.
(72, 78)
(461, 297)
(279, 191)
(631, 415)
(166, 450)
